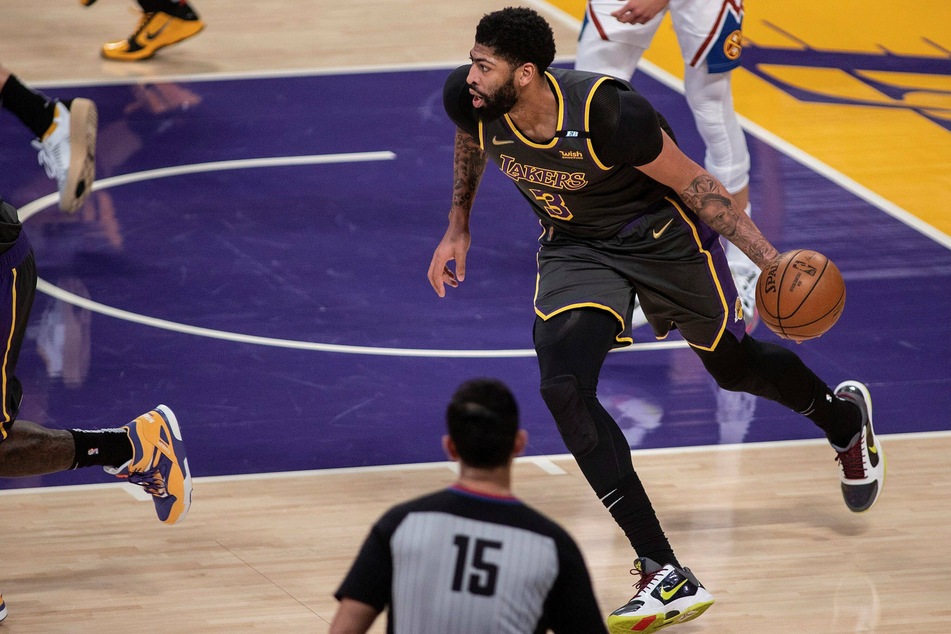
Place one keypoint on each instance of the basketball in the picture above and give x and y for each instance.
(801, 295)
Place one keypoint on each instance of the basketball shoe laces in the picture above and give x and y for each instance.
(152, 481)
(645, 580)
(852, 461)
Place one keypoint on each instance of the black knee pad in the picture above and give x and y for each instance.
(574, 422)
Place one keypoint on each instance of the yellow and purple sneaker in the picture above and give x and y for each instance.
(159, 464)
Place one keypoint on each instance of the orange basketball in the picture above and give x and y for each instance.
(801, 295)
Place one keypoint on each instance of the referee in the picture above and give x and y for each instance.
(471, 558)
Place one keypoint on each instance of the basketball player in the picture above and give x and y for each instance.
(147, 451)
(65, 136)
(612, 42)
(163, 23)
(624, 211)
(471, 558)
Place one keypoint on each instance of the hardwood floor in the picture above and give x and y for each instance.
(763, 526)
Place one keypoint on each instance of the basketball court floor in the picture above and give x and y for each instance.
(255, 252)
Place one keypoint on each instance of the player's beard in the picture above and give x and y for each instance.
(501, 101)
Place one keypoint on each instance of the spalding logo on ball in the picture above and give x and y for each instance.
(801, 295)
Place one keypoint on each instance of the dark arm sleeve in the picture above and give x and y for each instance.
(370, 576)
(458, 102)
(625, 128)
(571, 607)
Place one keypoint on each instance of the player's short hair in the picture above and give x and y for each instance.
(518, 35)
(482, 420)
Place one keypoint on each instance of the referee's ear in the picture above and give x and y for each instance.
(450, 448)
(521, 441)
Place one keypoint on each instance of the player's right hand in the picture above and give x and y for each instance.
(639, 11)
(453, 246)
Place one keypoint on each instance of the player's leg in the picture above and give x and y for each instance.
(65, 136)
(710, 37)
(571, 348)
(163, 23)
(148, 451)
(710, 96)
(611, 47)
(843, 414)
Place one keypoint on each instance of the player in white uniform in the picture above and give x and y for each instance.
(613, 38)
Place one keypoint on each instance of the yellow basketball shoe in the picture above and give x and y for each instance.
(159, 464)
(67, 151)
(3, 608)
(156, 30)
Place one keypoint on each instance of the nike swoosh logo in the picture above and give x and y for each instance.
(151, 36)
(659, 232)
(667, 595)
(498, 141)
(872, 449)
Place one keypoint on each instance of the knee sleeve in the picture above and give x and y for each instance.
(564, 400)
(711, 100)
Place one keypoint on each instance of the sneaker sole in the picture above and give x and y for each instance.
(661, 621)
(172, 421)
(84, 122)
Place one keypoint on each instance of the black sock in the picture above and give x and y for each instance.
(633, 512)
(103, 447)
(33, 108)
(839, 418)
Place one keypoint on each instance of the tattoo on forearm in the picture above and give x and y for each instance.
(467, 171)
(705, 195)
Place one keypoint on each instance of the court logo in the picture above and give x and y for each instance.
(887, 80)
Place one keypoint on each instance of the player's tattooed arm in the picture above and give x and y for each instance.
(467, 170)
(707, 196)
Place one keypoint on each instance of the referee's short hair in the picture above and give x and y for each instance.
(482, 420)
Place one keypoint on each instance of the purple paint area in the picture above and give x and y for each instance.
(338, 253)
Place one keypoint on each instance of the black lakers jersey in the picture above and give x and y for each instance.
(571, 185)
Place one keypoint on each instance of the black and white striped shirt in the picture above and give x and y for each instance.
(463, 562)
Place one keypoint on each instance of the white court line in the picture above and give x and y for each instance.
(546, 463)
(214, 166)
(47, 288)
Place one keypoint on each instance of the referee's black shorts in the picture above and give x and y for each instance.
(668, 257)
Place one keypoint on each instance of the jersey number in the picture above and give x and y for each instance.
(554, 204)
(473, 573)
